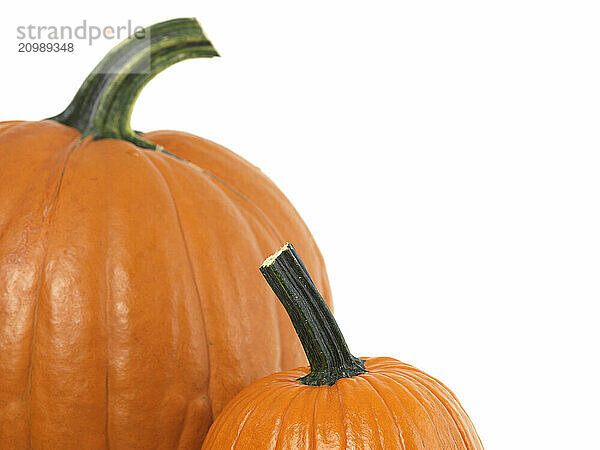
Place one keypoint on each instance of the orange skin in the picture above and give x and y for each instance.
(117, 327)
(392, 406)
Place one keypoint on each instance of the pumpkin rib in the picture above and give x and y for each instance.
(108, 340)
(401, 404)
(174, 394)
(421, 405)
(359, 396)
(328, 419)
(181, 355)
(48, 223)
(343, 414)
(294, 416)
(169, 139)
(418, 374)
(166, 138)
(212, 305)
(382, 363)
(9, 125)
(9, 122)
(268, 183)
(284, 414)
(443, 404)
(421, 385)
(229, 186)
(241, 427)
(189, 434)
(259, 213)
(260, 399)
(435, 406)
(226, 414)
(239, 402)
(268, 225)
(290, 395)
(458, 415)
(23, 238)
(367, 377)
(261, 218)
(189, 260)
(422, 379)
(452, 412)
(314, 418)
(50, 383)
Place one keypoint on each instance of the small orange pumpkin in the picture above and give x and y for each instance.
(342, 401)
(125, 320)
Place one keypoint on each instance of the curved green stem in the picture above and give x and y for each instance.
(103, 105)
(323, 342)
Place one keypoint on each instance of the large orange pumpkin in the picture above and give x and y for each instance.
(340, 401)
(129, 310)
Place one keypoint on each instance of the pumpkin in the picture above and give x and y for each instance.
(341, 401)
(128, 317)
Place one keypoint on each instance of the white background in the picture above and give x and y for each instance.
(444, 154)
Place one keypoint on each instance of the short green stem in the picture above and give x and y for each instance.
(103, 105)
(323, 342)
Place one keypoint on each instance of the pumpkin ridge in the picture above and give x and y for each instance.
(258, 211)
(342, 412)
(419, 385)
(424, 377)
(243, 212)
(230, 207)
(451, 411)
(314, 416)
(7, 126)
(260, 214)
(108, 345)
(401, 402)
(380, 432)
(78, 144)
(190, 263)
(275, 398)
(366, 432)
(167, 134)
(262, 219)
(367, 377)
(421, 405)
(260, 398)
(129, 299)
(284, 414)
(107, 324)
(47, 223)
(243, 399)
